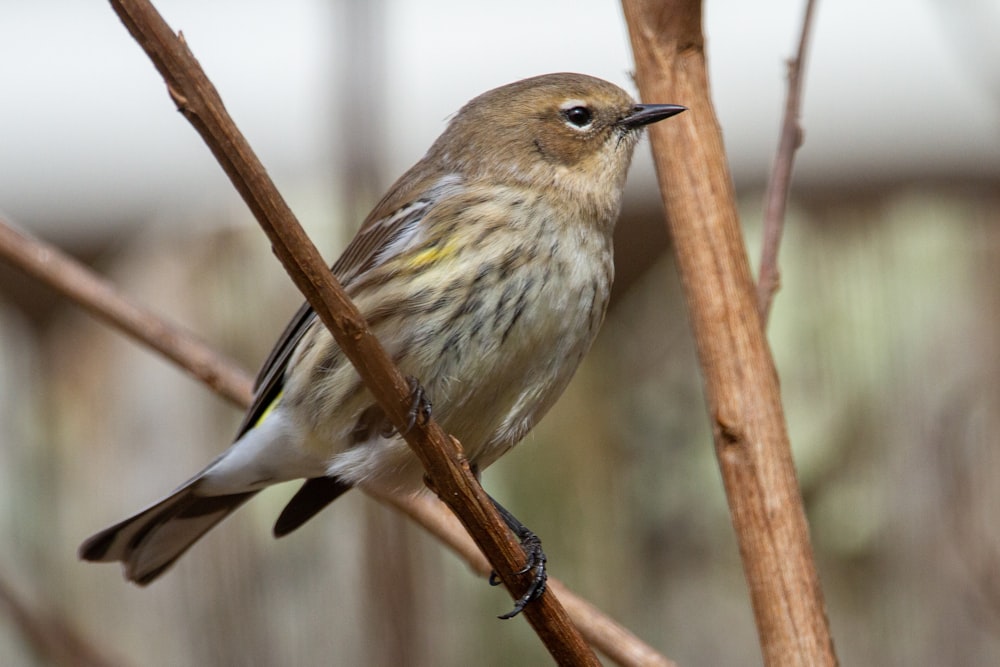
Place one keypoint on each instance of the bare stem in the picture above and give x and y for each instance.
(741, 382)
(779, 184)
(104, 301)
(52, 267)
(441, 455)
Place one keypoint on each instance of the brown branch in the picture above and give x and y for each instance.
(191, 355)
(23, 252)
(97, 295)
(602, 632)
(447, 470)
(741, 383)
(779, 184)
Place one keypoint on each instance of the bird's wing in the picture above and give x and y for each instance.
(381, 236)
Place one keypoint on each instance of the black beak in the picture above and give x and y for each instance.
(644, 114)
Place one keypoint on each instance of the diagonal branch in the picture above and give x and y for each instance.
(52, 267)
(779, 184)
(446, 467)
(52, 640)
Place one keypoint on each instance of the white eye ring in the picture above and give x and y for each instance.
(577, 114)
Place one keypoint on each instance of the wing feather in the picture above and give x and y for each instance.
(382, 234)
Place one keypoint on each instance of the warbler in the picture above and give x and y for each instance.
(485, 273)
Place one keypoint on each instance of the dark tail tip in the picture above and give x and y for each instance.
(307, 502)
(96, 547)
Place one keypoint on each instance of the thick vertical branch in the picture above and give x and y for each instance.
(741, 383)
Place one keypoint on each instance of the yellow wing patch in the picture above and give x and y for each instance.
(269, 409)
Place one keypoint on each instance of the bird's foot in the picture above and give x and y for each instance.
(420, 406)
(536, 560)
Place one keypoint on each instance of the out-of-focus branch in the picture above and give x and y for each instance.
(51, 639)
(966, 472)
(780, 182)
(741, 383)
(442, 458)
(104, 301)
(602, 632)
(189, 354)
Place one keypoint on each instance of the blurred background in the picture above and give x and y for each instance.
(885, 332)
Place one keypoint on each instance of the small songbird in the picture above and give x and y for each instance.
(485, 273)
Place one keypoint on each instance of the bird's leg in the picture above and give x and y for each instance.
(420, 407)
(535, 556)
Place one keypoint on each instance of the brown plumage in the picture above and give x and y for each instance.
(484, 271)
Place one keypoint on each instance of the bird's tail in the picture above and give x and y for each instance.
(149, 542)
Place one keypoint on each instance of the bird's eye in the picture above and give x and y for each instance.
(578, 116)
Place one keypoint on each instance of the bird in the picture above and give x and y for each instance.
(484, 271)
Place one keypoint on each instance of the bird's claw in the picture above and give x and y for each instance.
(535, 562)
(420, 407)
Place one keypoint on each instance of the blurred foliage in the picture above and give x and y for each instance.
(886, 338)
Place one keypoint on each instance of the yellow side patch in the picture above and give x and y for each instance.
(431, 255)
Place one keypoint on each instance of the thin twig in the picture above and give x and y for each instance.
(441, 456)
(741, 382)
(779, 184)
(23, 251)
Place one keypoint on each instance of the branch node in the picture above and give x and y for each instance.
(180, 101)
